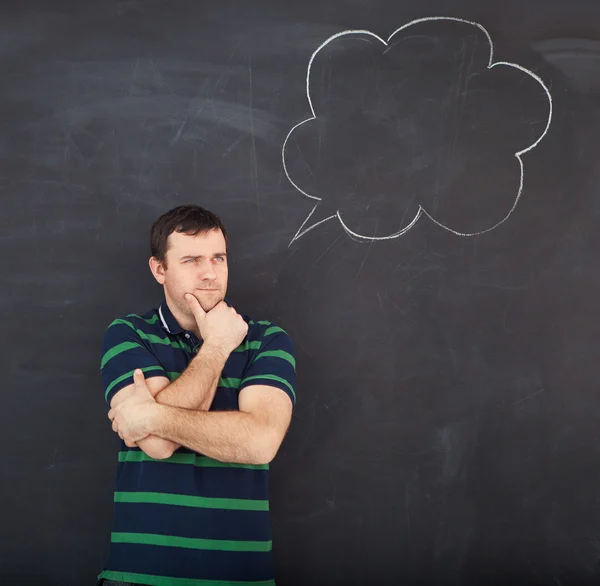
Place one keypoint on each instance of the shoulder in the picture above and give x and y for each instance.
(272, 359)
(148, 320)
(133, 324)
(267, 332)
(263, 327)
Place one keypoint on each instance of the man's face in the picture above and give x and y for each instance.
(196, 264)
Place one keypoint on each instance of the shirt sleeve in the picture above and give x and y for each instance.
(274, 365)
(123, 351)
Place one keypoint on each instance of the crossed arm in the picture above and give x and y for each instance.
(160, 417)
(194, 389)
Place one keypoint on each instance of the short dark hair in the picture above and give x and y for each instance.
(187, 219)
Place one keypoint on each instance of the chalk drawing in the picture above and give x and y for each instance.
(421, 211)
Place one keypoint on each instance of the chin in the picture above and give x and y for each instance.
(210, 303)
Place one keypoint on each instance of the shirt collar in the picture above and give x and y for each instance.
(168, 319)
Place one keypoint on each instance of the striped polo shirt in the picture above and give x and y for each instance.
(191, 520)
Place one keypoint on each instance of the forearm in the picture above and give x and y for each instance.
(196, 387)
(228, 436)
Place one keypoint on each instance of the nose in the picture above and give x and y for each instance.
(207, 271)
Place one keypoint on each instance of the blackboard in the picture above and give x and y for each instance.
(447, 423)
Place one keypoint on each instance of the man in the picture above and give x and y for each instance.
(202, 399)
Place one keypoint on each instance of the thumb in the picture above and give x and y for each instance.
(138, 378)
(195, 306)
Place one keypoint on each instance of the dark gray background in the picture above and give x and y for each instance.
(447, 426)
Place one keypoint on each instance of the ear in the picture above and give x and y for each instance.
(158, 269)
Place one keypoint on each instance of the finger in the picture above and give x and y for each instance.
(115, 427)
(138, 378)
(221, 306)
(195, 306)
(130, 444)
(111, 414)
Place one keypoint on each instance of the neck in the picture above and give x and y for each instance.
(187, 323)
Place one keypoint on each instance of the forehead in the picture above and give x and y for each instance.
(205, 244)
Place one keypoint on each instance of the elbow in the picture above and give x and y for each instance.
(165, 453)
(262, 458)
(160, 452)
(266, 450)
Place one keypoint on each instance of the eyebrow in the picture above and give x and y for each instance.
(201, 255)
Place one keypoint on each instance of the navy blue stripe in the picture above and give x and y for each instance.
(225, 400)
(237, 362)
(187, 479)
(179, 562)
(192, 522)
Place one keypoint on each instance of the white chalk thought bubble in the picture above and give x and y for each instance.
(385, 45)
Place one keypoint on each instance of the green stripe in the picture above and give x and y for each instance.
(173, 375)
(161, 498)
(127, 375)
(179, 344)
(277, 354)
(230, 383)
(196, 460)
(124, 322)
(273, 330)
(191, 542)
(152, 320)
(115, 350)
(165, 581)
(271, 377)
(254, 345)
(153, 339)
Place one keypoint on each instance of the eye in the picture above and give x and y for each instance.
(219, 258)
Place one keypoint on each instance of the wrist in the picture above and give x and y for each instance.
(214, 351)
(155, 418)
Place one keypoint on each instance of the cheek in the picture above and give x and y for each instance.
(178, 281)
